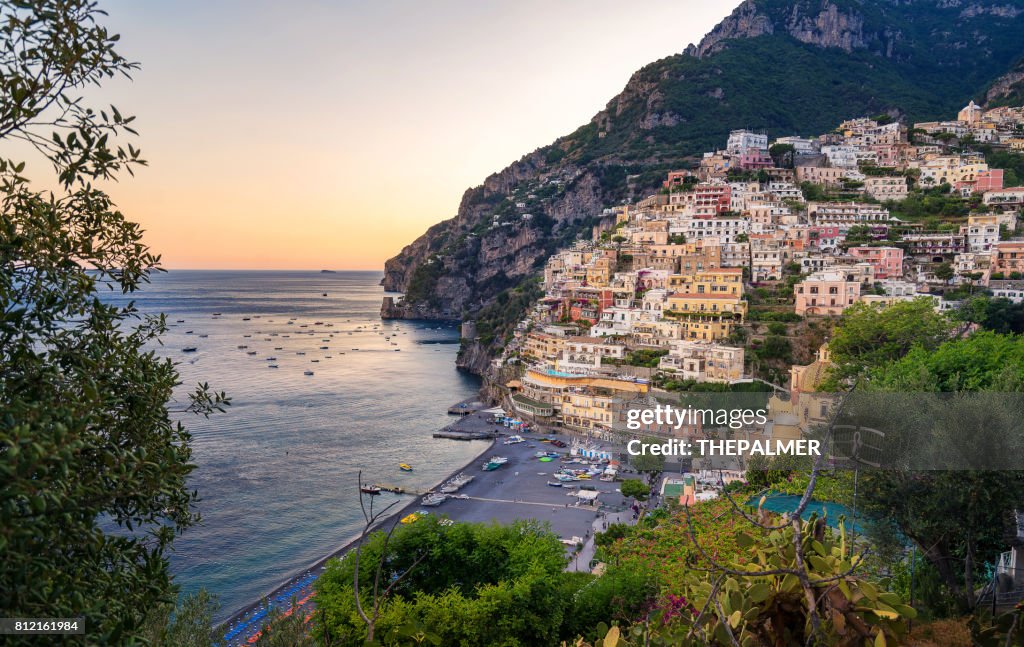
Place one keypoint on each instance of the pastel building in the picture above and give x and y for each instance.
(886, 188)
(703, 361)
(1008, 257)
(828, 292)
(886, 261)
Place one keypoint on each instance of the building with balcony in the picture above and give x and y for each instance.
(828, 292)
(886, 187)
(886, 261)
(703, 361)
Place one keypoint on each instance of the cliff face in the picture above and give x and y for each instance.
(1008, 89)
(784, 66)
(822, 24)
(457, 265)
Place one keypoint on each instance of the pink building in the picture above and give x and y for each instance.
(676, 178)
(828, 292)
(755, 159)
(824, 236)
(990, 180)
(886, 261)
(888, 154)
(717, 197)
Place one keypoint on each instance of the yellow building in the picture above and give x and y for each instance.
(599, 273)
(707, 317)
(542, 346)
(715, 280)
(581, 402)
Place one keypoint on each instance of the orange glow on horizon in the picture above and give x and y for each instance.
(329, 136)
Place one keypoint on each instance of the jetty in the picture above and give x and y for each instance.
(466, 407)
(398, 489)
(456, 434)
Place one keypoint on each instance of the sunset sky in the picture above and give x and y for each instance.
(325, 134)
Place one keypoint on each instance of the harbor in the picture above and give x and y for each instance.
(518, 487)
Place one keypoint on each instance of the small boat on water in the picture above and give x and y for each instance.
(242, 346)
(555, 483)
(189, 349)
(271, 365)
(323, 348)
(307, 372)
(372, 490)
(216, 314)
(181, 321)
(405, 467)
(188, 332)
(203, 336)
(246, 319)
(251, 352)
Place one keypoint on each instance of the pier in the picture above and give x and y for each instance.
(466, 407)
(398, 489)
(456, 434)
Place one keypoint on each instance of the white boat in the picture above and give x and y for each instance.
(514, 440)
(432, 500)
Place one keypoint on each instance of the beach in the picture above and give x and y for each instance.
(518, 490)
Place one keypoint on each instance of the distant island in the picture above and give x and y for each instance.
(328, 272)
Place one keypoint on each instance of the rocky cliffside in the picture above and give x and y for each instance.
(823, 24)
(784, 66)
(1008, 89)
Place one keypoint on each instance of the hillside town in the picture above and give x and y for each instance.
(734, 271)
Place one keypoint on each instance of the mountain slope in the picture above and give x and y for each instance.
(785, 66)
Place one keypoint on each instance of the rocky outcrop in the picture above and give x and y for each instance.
(474, 357)
(821, 24)
(475, 257)
(746, 21)
(1008, 88)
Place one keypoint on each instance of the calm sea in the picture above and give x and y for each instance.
(277, 472)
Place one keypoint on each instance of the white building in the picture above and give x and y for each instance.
(841, 156)
(742, 142)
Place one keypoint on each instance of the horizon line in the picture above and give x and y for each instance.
(261, 269)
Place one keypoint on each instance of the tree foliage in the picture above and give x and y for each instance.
(93, 465)
(760, 601)
(870, 336)
(635, 488)
(474, 584)
(999, 315)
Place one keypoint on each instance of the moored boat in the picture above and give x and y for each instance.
(372, 490)
(405, 467)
